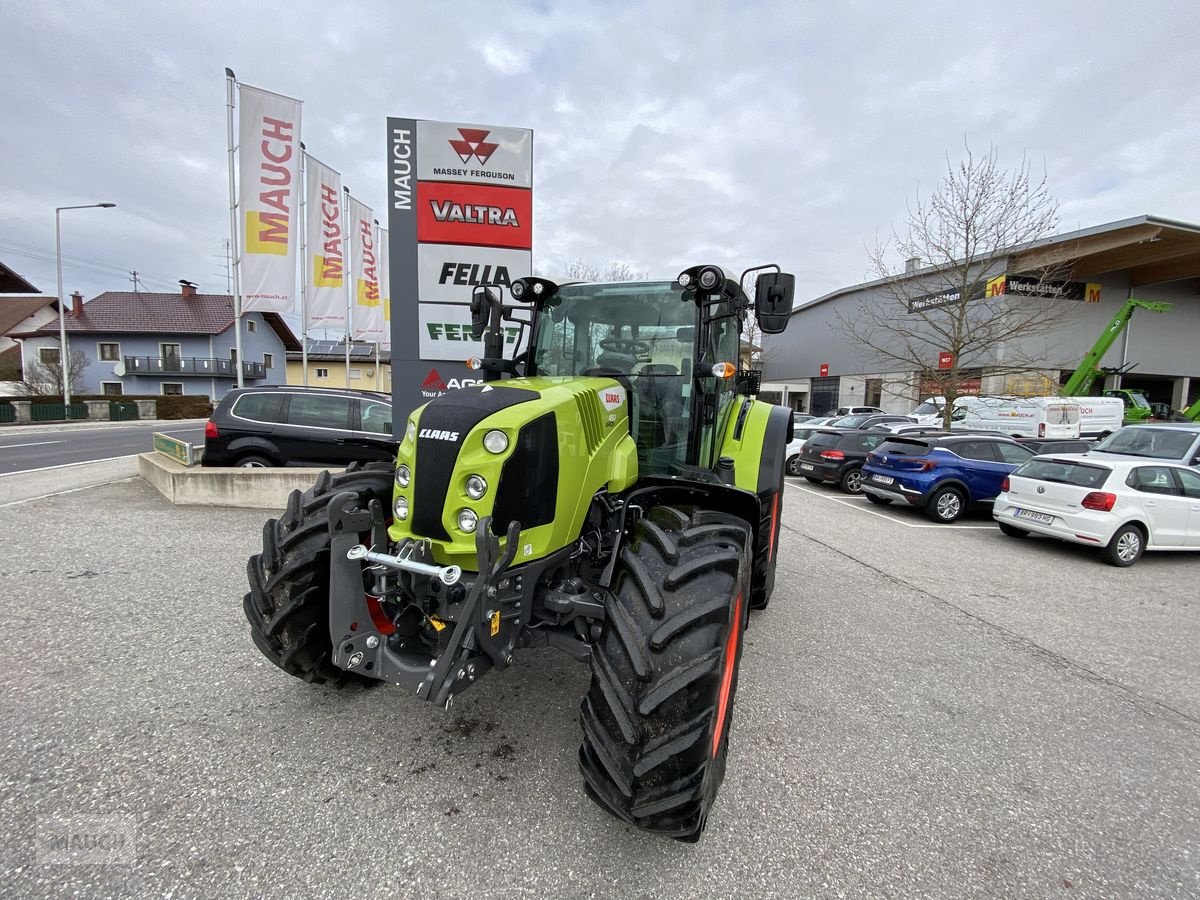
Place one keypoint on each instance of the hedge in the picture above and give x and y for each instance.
(169, 406)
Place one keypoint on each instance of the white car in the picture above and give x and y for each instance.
(1124, 506)
(800, 434)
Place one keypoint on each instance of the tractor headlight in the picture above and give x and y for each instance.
(684, 280)
(495, 441)
(467, 520)
(400, 507)
(403, 476)
(476, 486)
(709, 278)
(517, 289)
(410, 433)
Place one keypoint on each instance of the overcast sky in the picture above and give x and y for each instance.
(665, 134)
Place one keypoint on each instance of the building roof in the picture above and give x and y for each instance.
(15, 310)
(12, 283)
(335, 351)
(1152, 249)
(144, 313)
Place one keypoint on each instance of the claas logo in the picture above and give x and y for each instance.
(610, 397)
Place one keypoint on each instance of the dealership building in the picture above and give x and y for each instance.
(817, 364)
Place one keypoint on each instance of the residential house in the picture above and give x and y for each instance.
(143, 343)
(327, 366)
(22, 309)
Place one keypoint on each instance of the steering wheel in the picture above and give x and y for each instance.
(626, 346)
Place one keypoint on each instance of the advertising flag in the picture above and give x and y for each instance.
(326, 263)
(367, 307)
(269, 163)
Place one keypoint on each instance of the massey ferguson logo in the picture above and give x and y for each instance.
(474, 143)
(474, 213)
(436, 435)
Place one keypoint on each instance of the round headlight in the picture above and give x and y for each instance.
(476, 486)
(709, 278)
(517, 289)
(467, 520)
(495, 441)
(684, 279)
(400, 507)
(537, 288)
(410, 433)
(403, 476)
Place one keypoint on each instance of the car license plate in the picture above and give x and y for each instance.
(882, 479)
(1032, 516)
(806, 467)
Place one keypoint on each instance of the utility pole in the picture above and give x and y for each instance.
(226, 256)
(133, 276)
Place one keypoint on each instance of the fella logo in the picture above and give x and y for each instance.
(474, 143)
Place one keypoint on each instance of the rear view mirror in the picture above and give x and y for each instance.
(482, 299)
(773, 294)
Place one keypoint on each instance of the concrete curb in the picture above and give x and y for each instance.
(244, 488)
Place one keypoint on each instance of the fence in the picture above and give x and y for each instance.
(7, 414)
(57, 412)
(122, 412)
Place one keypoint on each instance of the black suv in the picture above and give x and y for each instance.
(837, 455)
(286, 425)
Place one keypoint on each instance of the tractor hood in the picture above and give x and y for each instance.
(535, 450)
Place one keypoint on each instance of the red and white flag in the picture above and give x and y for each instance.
(367, 309)
(325, 265)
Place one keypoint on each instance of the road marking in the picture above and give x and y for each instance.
(86, 487)
(31, 444)
(67, 465)
(873, 512)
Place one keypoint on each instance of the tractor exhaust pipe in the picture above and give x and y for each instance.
(445, 574)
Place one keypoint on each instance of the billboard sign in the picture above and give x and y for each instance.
(460, 214)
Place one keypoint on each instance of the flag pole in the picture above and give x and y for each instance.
(303, 268)
(230, 84)
(349, 270)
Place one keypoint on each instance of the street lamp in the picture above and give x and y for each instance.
(62, 310)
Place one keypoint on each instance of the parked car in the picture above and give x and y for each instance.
(801, 417)
(800, 433)
(287, 425)
(852, 411)
(1041, 445)
(866, 420)
(1123, 506)
(942, 474)
(1173, 441)
(834, 455)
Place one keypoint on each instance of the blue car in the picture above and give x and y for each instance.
(942, 474)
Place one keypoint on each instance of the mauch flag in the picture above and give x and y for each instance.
(325, 265)
(269, 162)
(385, 293)
(367, 311)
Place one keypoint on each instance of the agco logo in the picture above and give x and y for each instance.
(474, 143)
(434, 386)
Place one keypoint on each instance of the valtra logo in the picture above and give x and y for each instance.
(474, 143)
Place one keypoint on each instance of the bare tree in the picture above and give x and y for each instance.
(580, 270)
(619, 271)
(950, 312)
(46, 380)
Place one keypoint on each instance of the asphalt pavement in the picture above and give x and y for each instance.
(29, 448)
(922, 712)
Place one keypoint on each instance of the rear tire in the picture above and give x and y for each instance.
(254, 461)
(1012, 530)
(946, 505)
(851, 481)
(877, 500)
(1126, 546)
(664, 672)
(288, 602)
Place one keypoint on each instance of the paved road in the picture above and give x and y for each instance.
(921, 713)
(27, 449)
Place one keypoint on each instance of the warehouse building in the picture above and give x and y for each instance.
(818, 365)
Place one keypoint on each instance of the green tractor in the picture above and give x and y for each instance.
(615, 492)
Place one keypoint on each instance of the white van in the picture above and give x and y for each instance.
(1056, 418)
(929, 412)
(1099, 416)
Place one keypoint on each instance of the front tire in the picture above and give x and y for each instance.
(288, 602)
(664, 673)
(1126, 546)
(793, 464)
(946, 505)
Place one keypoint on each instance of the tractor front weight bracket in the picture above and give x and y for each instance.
(484, 634)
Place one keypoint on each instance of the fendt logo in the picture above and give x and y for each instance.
(474, 143)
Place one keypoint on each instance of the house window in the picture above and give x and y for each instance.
(356, 373)
(251, 326)
(233, 355)
(172, 357)
(268, 360)
(48, 356)
(322, 373)
(112, 388)
(108, 352)
(171, 389)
